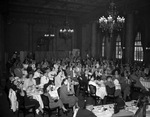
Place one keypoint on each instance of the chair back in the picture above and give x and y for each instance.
(141, 112)
(24, 108)
(110, 91)
(92, 89)
(37, 80)
(45, 100)
(58, 91)
(142, 103)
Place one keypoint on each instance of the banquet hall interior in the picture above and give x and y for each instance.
(64, 57)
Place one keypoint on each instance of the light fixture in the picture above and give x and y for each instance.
(49, 35)
(46, 37)
(50, 32)
(66, 32)
(112, 22)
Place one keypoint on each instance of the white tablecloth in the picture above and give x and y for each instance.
(100, 111)
(146, 84)
(108, 110)
(37, 96)
(130, 110)
(39, 99)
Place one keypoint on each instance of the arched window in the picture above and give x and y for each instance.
(138, 49)
(118, 48)
(103, 47)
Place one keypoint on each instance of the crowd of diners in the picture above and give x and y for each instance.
(67, 75)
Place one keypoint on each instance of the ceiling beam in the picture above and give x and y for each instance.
(76, 2)
(48, 7)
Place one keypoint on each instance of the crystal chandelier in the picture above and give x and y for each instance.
(66, 32)
(112, 22)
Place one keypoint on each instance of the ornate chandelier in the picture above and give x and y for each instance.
(112, 22)
(66, 32)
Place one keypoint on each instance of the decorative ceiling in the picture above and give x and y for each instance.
(82, 10)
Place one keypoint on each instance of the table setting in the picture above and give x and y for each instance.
(145, 82)
(36, 92)
(105, 110)
(108, 110)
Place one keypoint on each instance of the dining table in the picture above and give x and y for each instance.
(36, 94)
(108, 110)
(145, 83)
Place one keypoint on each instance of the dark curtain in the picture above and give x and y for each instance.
(143, 41)
(115, 35)
(135, 31)
(99, 42)
(103, 36)
(122, 35)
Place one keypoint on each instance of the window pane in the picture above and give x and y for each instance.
(138, 49)
(118, 48)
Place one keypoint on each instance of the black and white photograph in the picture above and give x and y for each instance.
(74, 58)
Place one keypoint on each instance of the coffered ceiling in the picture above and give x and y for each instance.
(82, 10)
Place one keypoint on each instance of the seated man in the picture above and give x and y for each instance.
(119, 108)
(87, 111)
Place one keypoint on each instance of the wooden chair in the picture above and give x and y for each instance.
(47, 109)
(22, 108)
(25, 109)
(110, 98)
(37, 80)
(141, 112)
(93, 94)
(65, 105)
(142, 103)
(83, 88)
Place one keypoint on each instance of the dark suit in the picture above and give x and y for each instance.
(4, 108)
(85, 113)
(84, 81)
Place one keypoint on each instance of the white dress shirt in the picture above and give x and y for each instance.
(44, 80)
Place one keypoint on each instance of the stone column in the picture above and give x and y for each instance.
(93, 40)
(2, 51)
(83, 41)
(99, 45)
(129, 42)
(108, 48)
(30, 38)
(54, 39)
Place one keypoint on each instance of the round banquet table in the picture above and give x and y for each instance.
(145, 83)
(108, 110)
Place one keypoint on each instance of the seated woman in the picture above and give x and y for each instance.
(44, 79)
(117, 87)
(29, 82)
(66, 96)
(58, 79)
(28, 100)
(54, 100)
